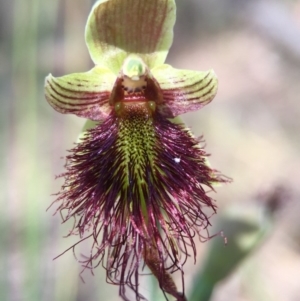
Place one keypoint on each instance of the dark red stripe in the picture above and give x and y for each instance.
(182, 93)
(100, 96)
(193, 84)
(70, 90)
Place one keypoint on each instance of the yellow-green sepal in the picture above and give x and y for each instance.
(184, 90)
(83, 94)
(117, 28)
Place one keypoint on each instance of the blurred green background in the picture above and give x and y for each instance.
(251, 130)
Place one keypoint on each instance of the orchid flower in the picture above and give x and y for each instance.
(137, 183)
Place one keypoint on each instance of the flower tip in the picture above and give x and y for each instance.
(212, 72)
(116, 28)
(214, 75)
(47, 78)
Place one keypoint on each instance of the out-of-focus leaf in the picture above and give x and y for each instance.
(244, 228)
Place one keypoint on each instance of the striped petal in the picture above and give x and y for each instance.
(83, 94)
(184, 90)
(116, 28)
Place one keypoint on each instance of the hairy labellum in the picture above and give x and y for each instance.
(137, 180)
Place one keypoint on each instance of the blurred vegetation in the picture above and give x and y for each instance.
(251, 130)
